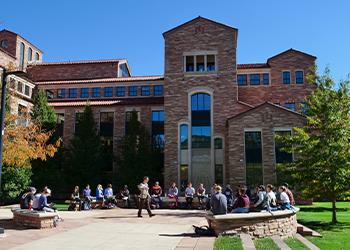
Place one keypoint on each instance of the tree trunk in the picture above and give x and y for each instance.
(334, 209)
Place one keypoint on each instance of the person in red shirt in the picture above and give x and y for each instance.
(156, 193)
(242, 204)
(290, 194)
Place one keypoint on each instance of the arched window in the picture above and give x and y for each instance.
(183, 141)
(219, 160)
(21, 55)
(37, 56)
(30, 54)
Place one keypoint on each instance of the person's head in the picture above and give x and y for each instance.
(189, 184)
(145, 179)
(109, 185)
(218, 189)
(261, 188)
(214, 185)
(47, 192)
(242, 190)
(32, 190)
(286, 185)
(269, 188)
(87, 186)
(76, 189)
(282, 189)
(201, 185)
(99, 186)
(156, 184)
(173, 184)
(125, 187)
(228, 186)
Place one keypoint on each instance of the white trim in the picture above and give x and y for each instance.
(200, 53)
(157, 108)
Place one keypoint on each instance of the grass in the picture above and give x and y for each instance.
(228, 243)
(295, 244)
(318, 217)
(61, 206)
(265, 244)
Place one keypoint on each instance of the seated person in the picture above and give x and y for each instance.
(27, 199)
(284, 199)
(75, 199)
(125, 196)
(290, 194)
(242, 203)
(110, 200)
(260, 203)
(189, 193)
(271, 201)
(201, 196)
(44, 206)
(87, 198)
(228, 192)
(173, 194)
(218, 202)
(99, 193)
(156, 193)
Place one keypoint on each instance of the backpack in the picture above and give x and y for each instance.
(203, 231)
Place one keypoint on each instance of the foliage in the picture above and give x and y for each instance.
(42, 112)
(137, 156)
(15, 180)
(85, 152)
(322, 146)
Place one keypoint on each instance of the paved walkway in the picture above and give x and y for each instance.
(110, 229)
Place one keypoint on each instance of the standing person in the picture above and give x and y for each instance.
(125, 196)
(27, 199)
(144, 197)
(228, 192)
(290, 194)
(271, 198)
(189, 193)
(260, 203)
(242, 203)
(156, 193)
(201, 196)
(173, 194)
(284, 199)
(218, 202)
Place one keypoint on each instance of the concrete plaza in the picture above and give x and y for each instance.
(110, 229)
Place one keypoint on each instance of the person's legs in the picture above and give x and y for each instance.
(141, 202)
(240, 210)
(48, 209)
(148, 207)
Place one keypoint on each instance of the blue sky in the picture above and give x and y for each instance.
(105, 29)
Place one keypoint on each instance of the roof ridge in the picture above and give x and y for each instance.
(76, 62)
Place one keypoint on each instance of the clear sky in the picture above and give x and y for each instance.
(107, 29)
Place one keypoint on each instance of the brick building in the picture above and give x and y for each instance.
(218, 118)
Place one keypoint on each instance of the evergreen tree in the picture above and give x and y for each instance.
(137, 157)
(42, 112)
(85, 152)
(322, 146)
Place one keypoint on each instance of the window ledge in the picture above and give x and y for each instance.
(205, 73)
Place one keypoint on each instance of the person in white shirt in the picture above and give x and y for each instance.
(284, 199)
(144, 197)
(270, 198)
(189, 193)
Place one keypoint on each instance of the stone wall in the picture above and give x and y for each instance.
(32, 219)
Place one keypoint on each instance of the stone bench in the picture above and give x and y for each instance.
(33, 219)
(257, 224)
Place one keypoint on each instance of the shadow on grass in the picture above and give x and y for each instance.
(322, 209)
(325, 226)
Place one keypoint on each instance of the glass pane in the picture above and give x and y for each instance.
(253, 158)
(200, 63)
(189, 63)
(183, 177)
(184, 136)
(211, 63)
(282, 156)
(218, 143)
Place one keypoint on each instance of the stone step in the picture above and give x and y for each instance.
(247, 242)
(307, 243)
(280, 243)
(305, 231)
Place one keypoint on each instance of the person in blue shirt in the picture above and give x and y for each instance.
(99, 192)
(109, 197)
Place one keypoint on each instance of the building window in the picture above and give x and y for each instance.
(84, 93)
(158, 90)
(73, 93)
(60, 124)
(30, 54)
(49, 94)
(184, 136)
(21, 55)
(121, 91)
(253, 158)
(22, 115)
(218, 143)
(61, 93)
(20, 87)
(200, 63)
(145, 90)
(27, 90)
(4, 43)
(219, 160)
(96, 92)
(242, 79)
(290, 105)
(37, 56)
(132, 90)
(128, 117)
(183, 177)
(299, 77)
(254, 79)
(106, 124)
(158, 128)
(124, 72)
(286, 77)
(183, 141)
(108, 91)
(266, 78)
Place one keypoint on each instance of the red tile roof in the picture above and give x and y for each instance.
(252, 66)
(103, 80)
(78, 62)
(83, 103)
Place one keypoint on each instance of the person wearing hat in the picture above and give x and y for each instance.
(43, 205)
(26, 201)
(125, 196)
(260, 204)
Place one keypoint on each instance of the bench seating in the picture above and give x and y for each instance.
(258, 224)
(33, 219)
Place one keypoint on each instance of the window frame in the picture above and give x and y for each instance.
(194, 55)
(96, 92)
(29, 54)
(283, 78)
(302, 76)
(83, 94)
(133, 91)
(245, 82)
(145, 90)
(158, 92)
(72, 93)
(61, 93)
(252, 80)
(109, 92)
(264, 79)
(118, 91)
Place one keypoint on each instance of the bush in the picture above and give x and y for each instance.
(15, 180)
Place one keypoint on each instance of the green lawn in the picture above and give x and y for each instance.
(295, 244)
(61, 206)
(228, 243)
(318, 217)
(265, 244)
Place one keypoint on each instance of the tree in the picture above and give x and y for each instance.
(322, 146)
(42, 112)
(85, 151)
(137, 156)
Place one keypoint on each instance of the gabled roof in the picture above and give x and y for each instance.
(199, 18)
(14, 33)
(289, 51)
(264, 104)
